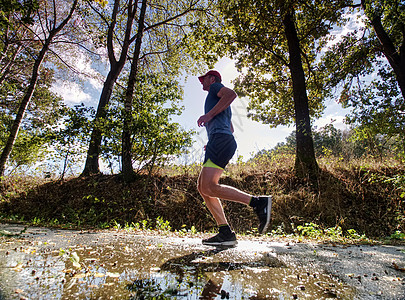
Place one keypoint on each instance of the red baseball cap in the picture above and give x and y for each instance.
(211, 72)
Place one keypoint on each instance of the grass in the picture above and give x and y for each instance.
(354, 201)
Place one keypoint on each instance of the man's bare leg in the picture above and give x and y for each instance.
(212, 192)
(208, 185)
(214, 205)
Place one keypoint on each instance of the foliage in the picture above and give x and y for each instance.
(276, 45)
(44, 107)
(44, 40)
(259, 45)
(70, 137)
(42, 113)
(103, 3)
(157, 45)
(368, 72)
(17, 45)
(155, 137)
(16, 65)
(346, 145)
(206, 41)
(328, 141)
(398, 235)
(333, 234)
(168, 45)
(162, 225)
(24, 8)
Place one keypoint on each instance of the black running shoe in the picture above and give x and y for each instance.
(221, 240)
(263, 211)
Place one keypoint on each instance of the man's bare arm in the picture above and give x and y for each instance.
(226, 96)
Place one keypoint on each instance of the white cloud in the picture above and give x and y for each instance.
(83, 64)
(71, 92)
(85, 68)
(356, 22)
(336, 119)
(228, 71)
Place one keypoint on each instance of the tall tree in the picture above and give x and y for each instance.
(71, 137)
(42, 112)
(120, 45)
(127, 169)
(388, 21)
(369, 63)
(305, 162)
(50, 25)
(163, 47)
(154, 45)
(276, 44)
(155, 138)
(14, 16)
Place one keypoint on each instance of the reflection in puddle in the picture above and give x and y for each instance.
(124, 266)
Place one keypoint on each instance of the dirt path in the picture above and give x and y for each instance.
(64, 264)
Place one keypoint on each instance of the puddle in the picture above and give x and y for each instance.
(69, 265)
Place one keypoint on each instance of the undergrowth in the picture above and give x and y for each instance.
(356, 200)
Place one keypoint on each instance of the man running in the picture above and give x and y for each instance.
(220, 148)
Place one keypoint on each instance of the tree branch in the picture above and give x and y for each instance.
(79, 44)
(74, 70)
(110, 33)
(54, 14)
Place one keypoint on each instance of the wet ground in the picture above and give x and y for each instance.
(64, 264)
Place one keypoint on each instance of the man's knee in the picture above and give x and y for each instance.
(207, 188)
(199, 187)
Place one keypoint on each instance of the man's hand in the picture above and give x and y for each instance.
(203, 120)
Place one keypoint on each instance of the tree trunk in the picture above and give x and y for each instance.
(21, 111)
(127, 169)
(93, 153)
(305, 161)
(395, 59)
(30, 90)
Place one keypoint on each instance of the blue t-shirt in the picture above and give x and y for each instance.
(221, 123)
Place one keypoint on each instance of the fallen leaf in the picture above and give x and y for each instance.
(99, 275)
(398, 268)
(114, 275)
(67, 271)
(75, 259)
(80, 275)
(155, 269)
(17, 268)
(93, 286)
(91, 259)
(108, 284)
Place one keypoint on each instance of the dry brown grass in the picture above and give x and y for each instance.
(363, 195)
